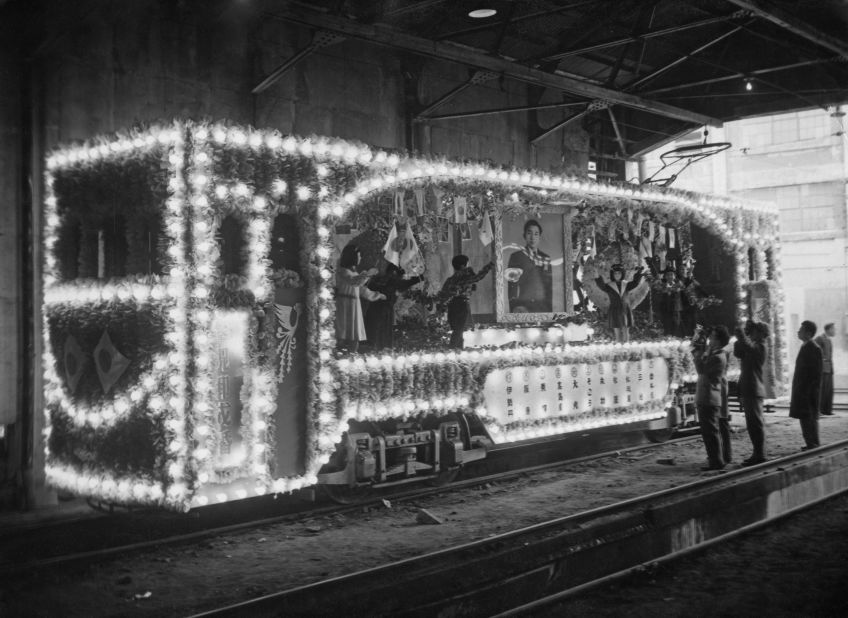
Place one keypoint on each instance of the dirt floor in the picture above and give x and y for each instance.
(236, 567)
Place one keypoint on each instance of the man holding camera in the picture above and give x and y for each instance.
(710, 391)
(750, 349)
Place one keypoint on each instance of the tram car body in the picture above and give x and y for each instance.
(190, 354)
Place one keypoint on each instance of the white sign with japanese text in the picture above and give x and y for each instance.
(546, 391)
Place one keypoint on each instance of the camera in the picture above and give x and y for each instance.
(699, 338)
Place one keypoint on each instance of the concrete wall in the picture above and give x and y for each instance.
(14, 432)
(10, 241)
(128, 63)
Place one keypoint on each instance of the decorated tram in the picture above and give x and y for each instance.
(190, 301)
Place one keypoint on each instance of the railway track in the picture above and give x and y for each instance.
(25, 560)
(523, 570)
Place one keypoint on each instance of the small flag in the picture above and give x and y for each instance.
(398, 203)
(411, 259)
(390, 250)
(485, 230)
(419, 200)
(460, 210)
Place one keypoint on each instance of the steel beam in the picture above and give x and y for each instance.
(479, 77)
(638, 37)
(383, 35)
(790, 22)
(682, 59)
(319, 39)
(561, 124)
(503, 110)
(415, 6)
(618, 136)
(738, 75)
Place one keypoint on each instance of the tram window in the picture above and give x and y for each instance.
(102, 251)
(285, 244)
(144, 256)
(111, 220)
(112, 253)
(770, 263)
(67, 247)
(231, 238)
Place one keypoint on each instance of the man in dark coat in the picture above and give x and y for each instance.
(826, 345)
(750, 349)
(711, 363)
(806, 383)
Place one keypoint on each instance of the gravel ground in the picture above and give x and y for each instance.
(176, 581)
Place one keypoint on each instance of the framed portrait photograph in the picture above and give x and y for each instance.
(534, 266)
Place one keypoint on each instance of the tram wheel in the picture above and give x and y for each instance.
(345, 494)
(659, 435)
(444, 477)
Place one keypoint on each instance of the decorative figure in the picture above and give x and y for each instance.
(620, 291)
(671, 303)
(350, 285)
(577, 271)
(287, 318)
(380, 317)
(455, 295)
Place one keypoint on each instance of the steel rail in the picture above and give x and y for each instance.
(513, 569)
(7, 570)
(558, 597)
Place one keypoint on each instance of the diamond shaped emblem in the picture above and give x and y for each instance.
(110, 363)
(74, 361)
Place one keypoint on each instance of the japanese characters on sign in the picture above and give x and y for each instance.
(539, 392)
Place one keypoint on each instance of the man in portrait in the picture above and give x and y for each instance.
(531, 290)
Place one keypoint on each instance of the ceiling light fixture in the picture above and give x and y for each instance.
(749, 86)
(482, 13)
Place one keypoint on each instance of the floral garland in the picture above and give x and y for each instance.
(199, 171)
(404, 386)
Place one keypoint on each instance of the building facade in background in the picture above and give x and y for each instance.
(798, 161)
